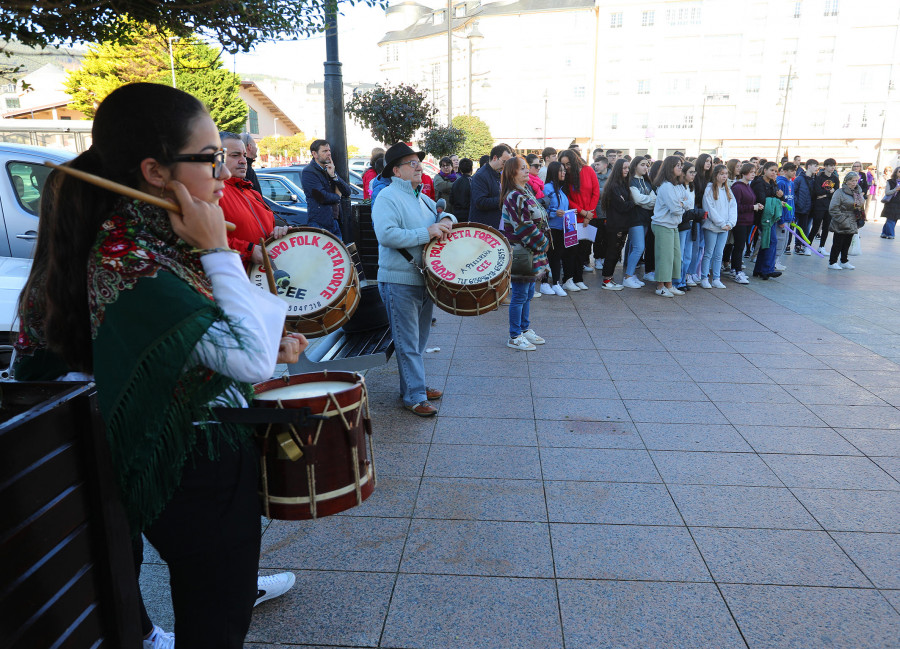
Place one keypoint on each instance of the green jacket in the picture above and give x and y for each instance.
(771, 214)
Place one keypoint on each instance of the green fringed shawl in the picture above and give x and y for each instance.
(155, 410)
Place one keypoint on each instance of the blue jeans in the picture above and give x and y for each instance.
(409, 312)
(635, 248)
(521, 292)
(684, 237)
(712, 257)
(765, 260)
(888, 229)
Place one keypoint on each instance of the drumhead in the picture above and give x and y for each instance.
(472, 254)
(311, 268)
(304, 390)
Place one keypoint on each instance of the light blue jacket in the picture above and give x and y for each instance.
(670, 204)
(401, 217)
(557, 201)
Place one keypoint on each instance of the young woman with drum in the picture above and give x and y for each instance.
(405, 220)
(160, 311)
(525, 226)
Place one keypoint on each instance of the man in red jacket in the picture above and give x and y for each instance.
(243, 206)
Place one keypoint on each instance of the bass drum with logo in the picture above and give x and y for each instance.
(315, 275)
(469, 273)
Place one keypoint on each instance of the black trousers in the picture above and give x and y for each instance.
(840, 246)
(209, 535)
(741, 233)
(803, 220)
(615, 241)
(649, 251)
(821, 221)
(573, 264)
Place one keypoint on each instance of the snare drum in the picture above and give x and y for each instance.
(326, 466)
(469, 273)
(315, 276)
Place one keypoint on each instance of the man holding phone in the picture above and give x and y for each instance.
(323, 189)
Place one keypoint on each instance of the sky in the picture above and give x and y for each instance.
(359, 30)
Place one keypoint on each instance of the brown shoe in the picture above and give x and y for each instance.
(433, 393)
(423, 409)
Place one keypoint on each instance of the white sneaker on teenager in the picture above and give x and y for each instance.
(846, 265)
(582, 286)
(546, 289)
(822, 250)
(835, 266)
(558, 290)
(650, 277)
(780, 267)
(159, 639)
(532, 337)
(610, 285)
(536, 295)
(570, 286)
(741, 278)
(632, 282)
(598, 264)
(588, 268)
(520, 343)
(704, 283)
(272, 586)
(689, 280)
(717, 283)
(664, 292)
(676, 291)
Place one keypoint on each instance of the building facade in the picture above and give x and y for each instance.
(664, 75)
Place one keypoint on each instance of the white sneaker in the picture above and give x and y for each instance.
(532, 337)
(570, 286)
(558, 290)
(676, 291)
(733, 273)
(520, 343)
(664, 292)
(704, 283)
(835, 266)
(650, 277)
(846, 265)
(589, 269)
(598, 264)
(689, 280)
(780, 267)
(632, 282)
(822, 250)
(536, 295)
(806, 252)
(546, 289)
(717, 283)
(612, 286)
(159, 639)
(582, 286)
(272, 586)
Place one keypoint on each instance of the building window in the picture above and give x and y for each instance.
(831, 7)
(612, 87)
(437, 18)
(864, 121)
(460, 11)
(827, 46)
(615, 20)
(753, 85)
(10, 87)
(648, 18)
(683, 16)
(644, 120)
(253, 122)
(782, 82)
(748, 120)
(822, 81)
(12, 102)
(578, 92)
(614, 121)
(643, 87)
(798, 5)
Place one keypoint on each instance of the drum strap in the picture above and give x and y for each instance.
(296, 416)
(403, 251)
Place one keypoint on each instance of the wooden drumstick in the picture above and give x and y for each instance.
(270, 275)
(125, 190)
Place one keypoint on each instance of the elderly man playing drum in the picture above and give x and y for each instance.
(243, 205)
(405, 220)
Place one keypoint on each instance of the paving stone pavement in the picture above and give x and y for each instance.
(718, 470)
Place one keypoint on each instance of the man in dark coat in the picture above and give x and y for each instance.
(323, 189)
(461, 191)
(484, 206)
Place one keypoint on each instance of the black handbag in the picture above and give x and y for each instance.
(522, 261)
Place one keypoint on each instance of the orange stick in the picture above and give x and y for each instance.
(270, 275)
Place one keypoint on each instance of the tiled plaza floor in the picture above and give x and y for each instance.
(718, 470)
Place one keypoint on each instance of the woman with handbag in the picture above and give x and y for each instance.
(891, 210)
(525, 227)
(844, 210)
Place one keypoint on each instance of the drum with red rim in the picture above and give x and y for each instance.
(469, 273)
(326, 466)
(315, 275)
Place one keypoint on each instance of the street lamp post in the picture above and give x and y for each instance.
(172, 58)
(449, 62)
(473, 37)
(335, 128)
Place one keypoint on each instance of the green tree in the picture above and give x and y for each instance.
(443, 141)
(237, 24)
(478, 140)
(291, 145)
(198, 70)
(392, 113)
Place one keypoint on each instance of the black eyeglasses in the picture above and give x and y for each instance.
(217, 160)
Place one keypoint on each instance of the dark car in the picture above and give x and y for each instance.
(294, 216)
(294, 172)
(281, 190)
